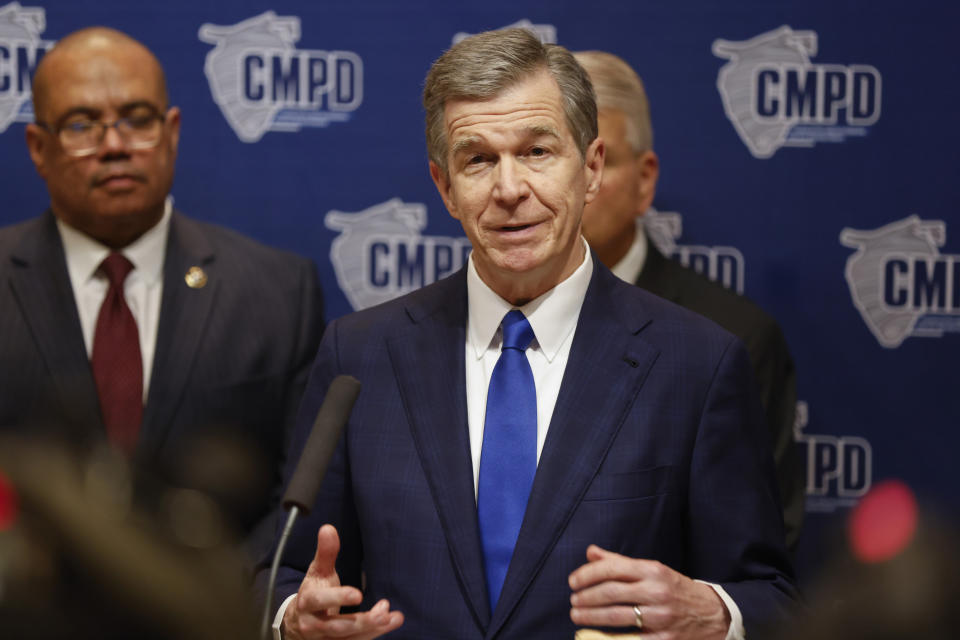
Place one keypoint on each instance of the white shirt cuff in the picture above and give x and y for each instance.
(278, 619)
(735, 631)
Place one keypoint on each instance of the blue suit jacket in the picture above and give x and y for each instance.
(231, 358)
(769, 355)
(652, 452)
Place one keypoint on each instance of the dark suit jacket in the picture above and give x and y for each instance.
(652, 452)
(772, 364)
(231, 357)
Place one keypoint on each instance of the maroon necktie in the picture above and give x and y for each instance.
(117, 367)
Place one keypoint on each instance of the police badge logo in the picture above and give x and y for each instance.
(775, 97)
(263, 83)
(380, 253)
(900, 282)
(20, 49)
(838, 469)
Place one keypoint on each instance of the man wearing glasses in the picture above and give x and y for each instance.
(124, 321)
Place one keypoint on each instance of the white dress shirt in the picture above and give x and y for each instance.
(142, 289)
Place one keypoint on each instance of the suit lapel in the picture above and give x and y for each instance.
(605, 370)
(432, 387)
(184, 316)
(41, 285)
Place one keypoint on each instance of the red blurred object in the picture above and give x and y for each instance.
(884, 522)
(8, 503)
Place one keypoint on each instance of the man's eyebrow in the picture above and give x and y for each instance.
(543, 130)
(462, 144)
(93, 112)
(535, 130)
(90, 112)
(136, 104)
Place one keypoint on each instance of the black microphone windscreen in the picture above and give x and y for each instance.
(312, 466)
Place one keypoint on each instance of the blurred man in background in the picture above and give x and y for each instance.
(613, 225)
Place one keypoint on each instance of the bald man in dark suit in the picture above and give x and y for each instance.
(202, 346)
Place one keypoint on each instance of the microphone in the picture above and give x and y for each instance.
(332, 417)
(311, 468)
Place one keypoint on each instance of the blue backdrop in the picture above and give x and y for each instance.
(808, 158)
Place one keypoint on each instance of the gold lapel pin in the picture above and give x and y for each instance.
(196, 278)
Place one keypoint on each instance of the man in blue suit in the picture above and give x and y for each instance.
(631, 424)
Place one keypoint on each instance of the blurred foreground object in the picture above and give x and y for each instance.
(80, 559)
(899, 576)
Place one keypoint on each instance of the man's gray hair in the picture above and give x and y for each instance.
(619, 87)
(481, 66)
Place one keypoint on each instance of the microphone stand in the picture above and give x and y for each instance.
(311, 467)
(265, 624)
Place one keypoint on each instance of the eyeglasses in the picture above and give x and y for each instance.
(82, 137)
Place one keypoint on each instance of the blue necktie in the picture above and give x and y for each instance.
(508, 460)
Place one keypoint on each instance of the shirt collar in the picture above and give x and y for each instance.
(631, 264)
(84, 254)
(552, 316)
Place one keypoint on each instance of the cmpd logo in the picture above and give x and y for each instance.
(838, 469)
(20, 50)
(380, 253)
(900, 282)
(719, 263)
(262, 83)
(547, 33)
(776, 97)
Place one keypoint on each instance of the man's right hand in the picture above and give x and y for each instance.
(314, 613)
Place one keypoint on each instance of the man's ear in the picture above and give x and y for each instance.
(173, 122)
(593, 166)
(648, 171)
(442, 180)
(37, 141)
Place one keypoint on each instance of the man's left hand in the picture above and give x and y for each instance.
(607, 587)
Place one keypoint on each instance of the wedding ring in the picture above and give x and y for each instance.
(639, 616)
